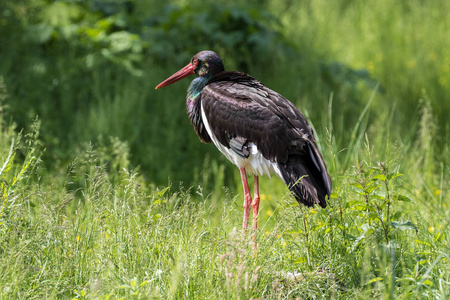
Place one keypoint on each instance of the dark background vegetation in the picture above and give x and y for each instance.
(88, 70)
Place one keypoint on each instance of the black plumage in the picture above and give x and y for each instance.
(256, 128)
(241, 110)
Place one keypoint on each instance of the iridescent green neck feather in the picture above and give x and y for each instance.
(197, 86)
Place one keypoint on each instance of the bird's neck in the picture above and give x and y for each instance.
(197, 86)
(194, 107)
(194, 91)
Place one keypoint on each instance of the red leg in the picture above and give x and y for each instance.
(247, 198)
(255, 204)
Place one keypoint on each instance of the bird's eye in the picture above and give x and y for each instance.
(195, 62)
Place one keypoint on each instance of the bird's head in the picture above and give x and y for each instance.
(205, 64)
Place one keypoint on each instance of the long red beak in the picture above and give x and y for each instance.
(185, 72)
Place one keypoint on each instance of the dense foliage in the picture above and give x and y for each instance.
(106, 191)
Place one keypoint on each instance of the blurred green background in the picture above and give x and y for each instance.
(88, 70)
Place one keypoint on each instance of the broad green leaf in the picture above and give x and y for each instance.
(403, 198)
(397, 215)
(406, 278)
(133, 283)
(393, 175)
(372, 187)
(364, 227)
(381, 177)
(439, 236)
(350, 237)
(375, 280)
(40, 33)
(363, 207)
(428, 282)
(357, 185)
(374, 216)
(105, 24)
(163, 191)
(300, 260)
(422, 242)
(357, 242)
(93, 32)
(367, 232)
(316, 227)
(355, 202)
(404, 225)
(357, 190)
(379, 194)
(124, 286)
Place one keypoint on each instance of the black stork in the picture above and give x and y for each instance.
(257, 129)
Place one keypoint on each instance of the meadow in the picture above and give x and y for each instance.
(107, 193)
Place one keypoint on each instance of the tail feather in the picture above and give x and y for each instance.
(307, 178)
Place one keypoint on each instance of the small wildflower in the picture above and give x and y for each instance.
(378, 57)
(269, 212)
(265, 197)
(78, 238)
(278, 236)
(370, 66)
(445, 68)
(431, 229)
(267, 232)
(438, 192)
(433, 55)
(411, 64)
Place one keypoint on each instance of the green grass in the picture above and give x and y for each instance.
(98, 232)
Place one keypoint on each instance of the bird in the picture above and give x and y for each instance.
(256, 128)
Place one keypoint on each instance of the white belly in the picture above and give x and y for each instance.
(254, 164)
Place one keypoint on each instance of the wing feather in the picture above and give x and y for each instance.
(241, 110)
